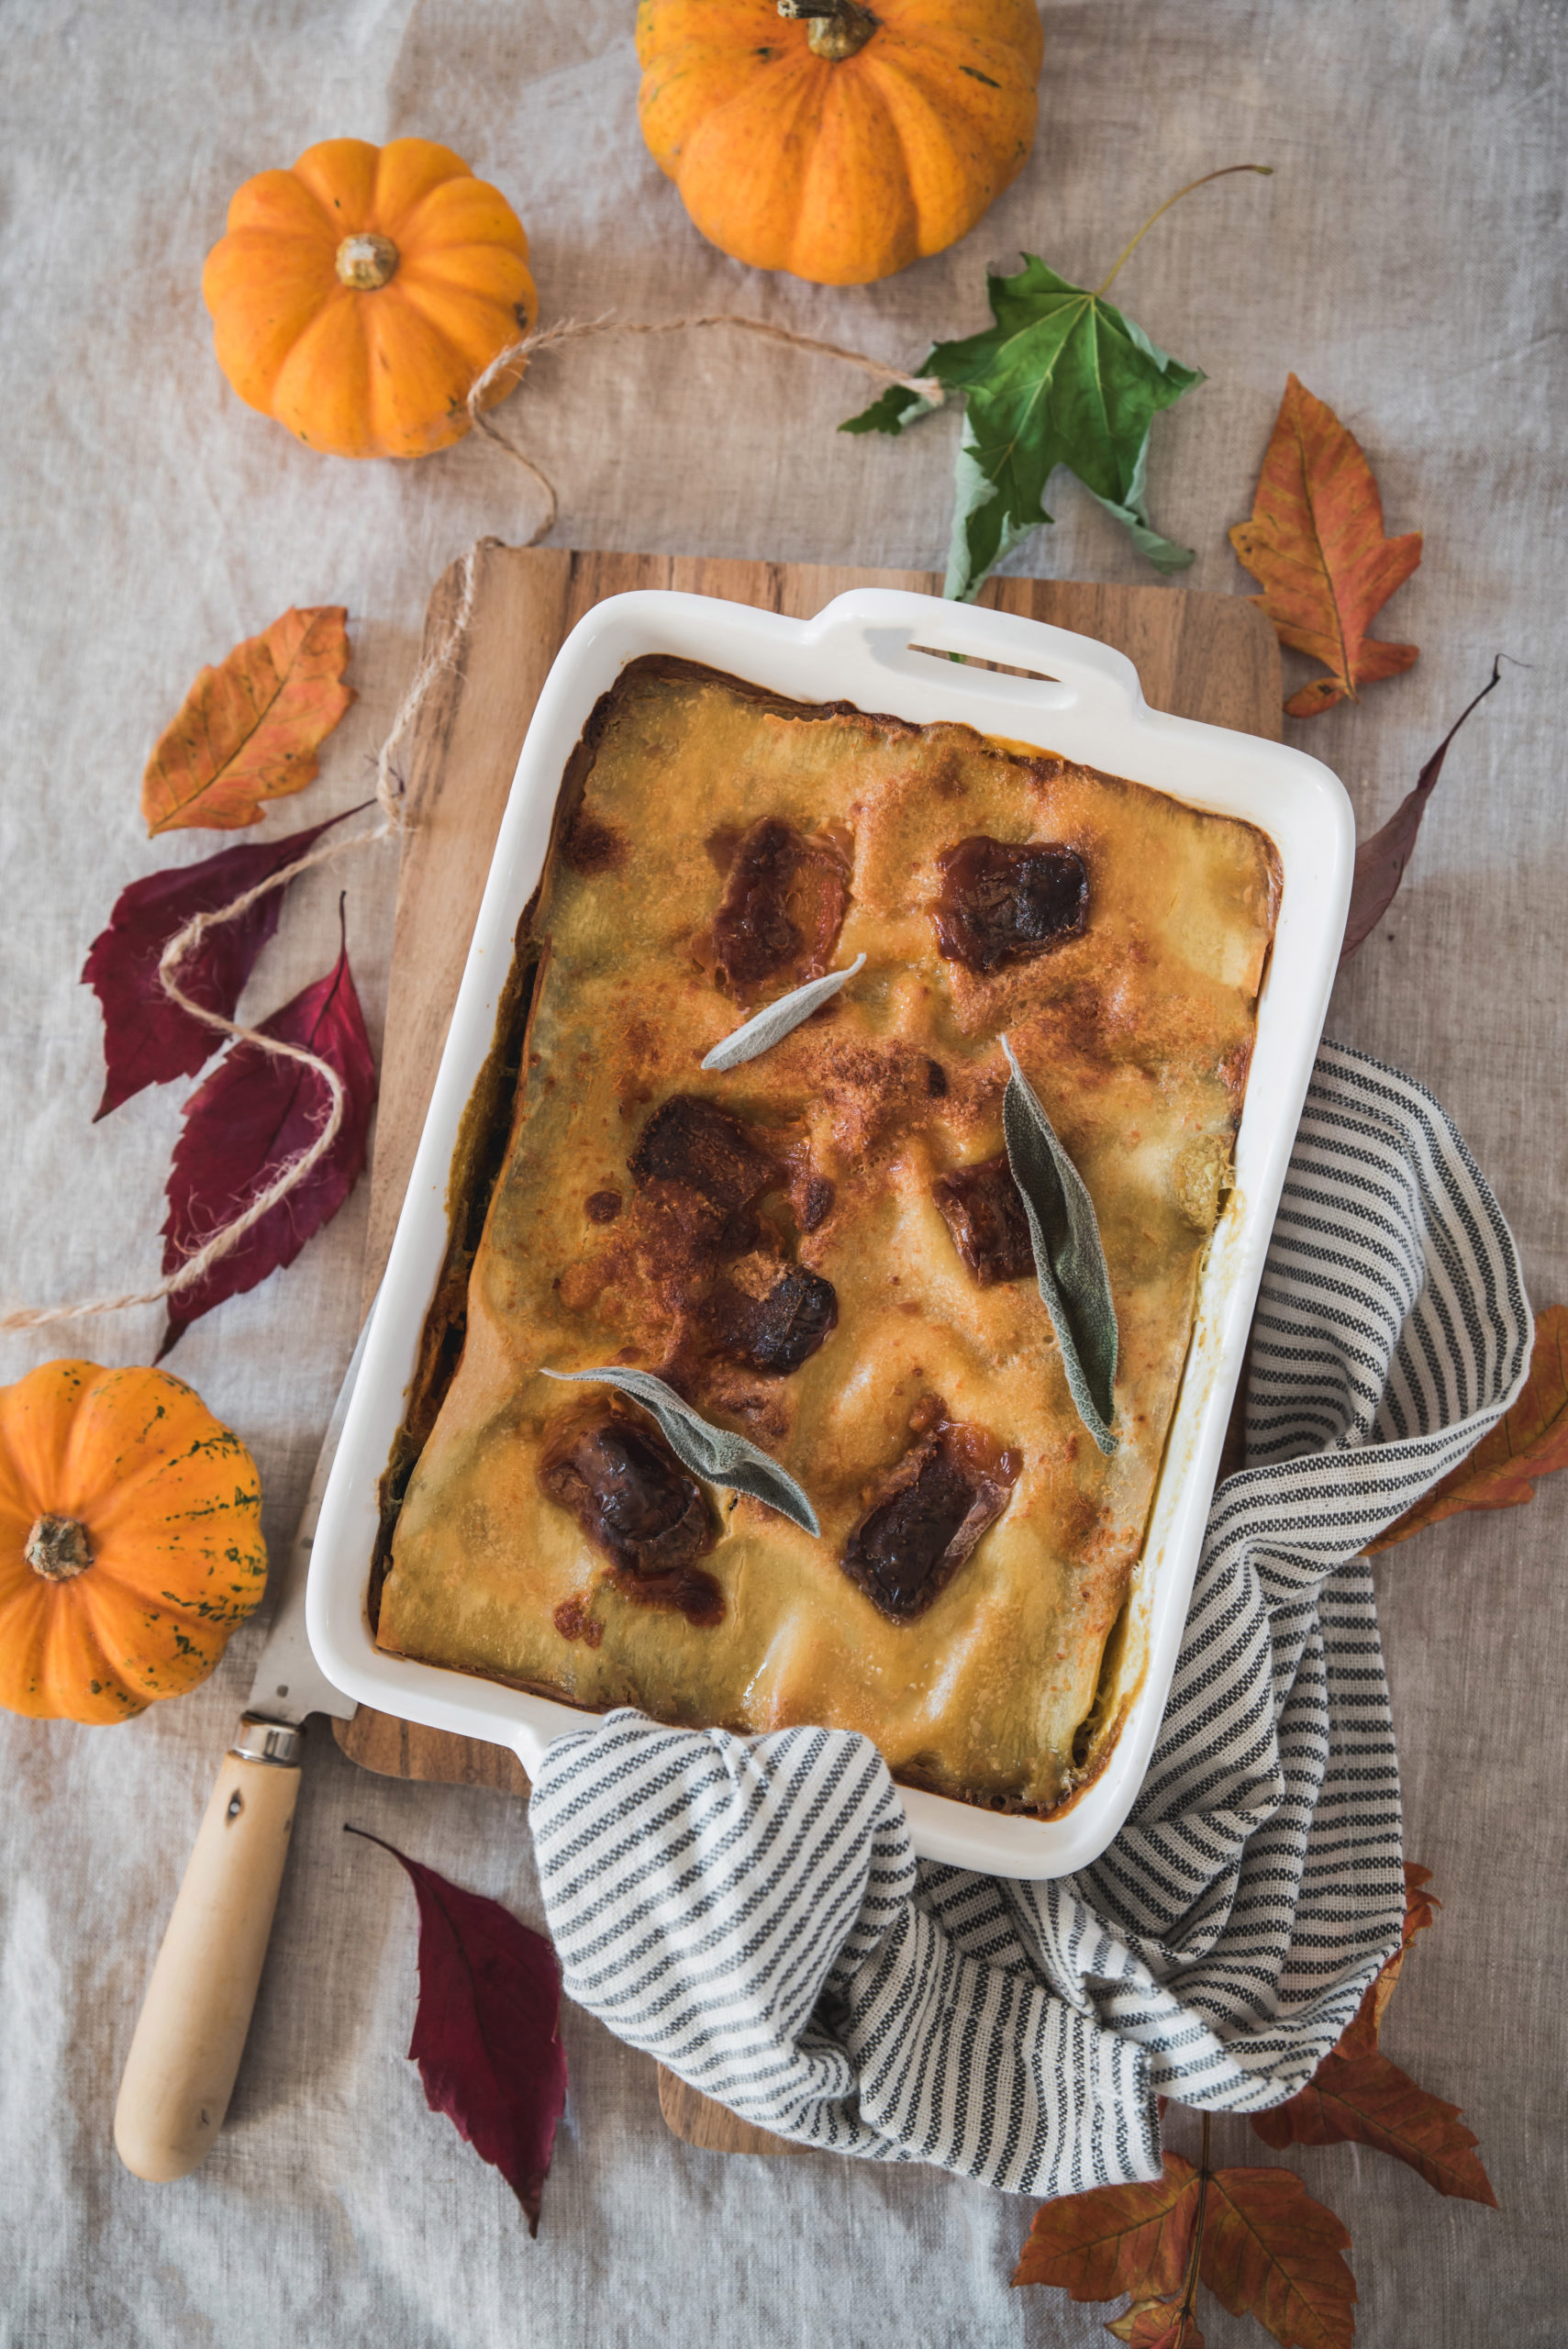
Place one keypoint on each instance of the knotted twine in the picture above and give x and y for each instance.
(393, 821)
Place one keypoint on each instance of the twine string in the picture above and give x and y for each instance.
(441, 660)
(516, 356)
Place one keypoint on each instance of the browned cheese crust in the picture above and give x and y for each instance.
(1136, 1034)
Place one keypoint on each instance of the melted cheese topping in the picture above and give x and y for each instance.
(1136, 1036)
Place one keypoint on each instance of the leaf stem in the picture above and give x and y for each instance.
(1433, 767)
(349, 1829)
(1266, 170)
(1189, 2289)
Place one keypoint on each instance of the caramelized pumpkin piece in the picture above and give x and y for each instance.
(930, 1513)
(981, 1207)
(636, 1504)
(694, 1143)
(1002, 904)
(784, 903)
(780, 1330)
(630, 1496)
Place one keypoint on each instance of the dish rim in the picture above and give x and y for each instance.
(890, 652)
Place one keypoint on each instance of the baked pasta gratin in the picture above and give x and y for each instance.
(823, 1249)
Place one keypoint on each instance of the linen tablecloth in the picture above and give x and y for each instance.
(1407, 261)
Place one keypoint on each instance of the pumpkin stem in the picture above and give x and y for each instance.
(367, 262)
(58, 1548)
(834, 28)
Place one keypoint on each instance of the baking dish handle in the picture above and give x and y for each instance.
(1051, 667)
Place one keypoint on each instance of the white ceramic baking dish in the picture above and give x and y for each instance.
(884, 651)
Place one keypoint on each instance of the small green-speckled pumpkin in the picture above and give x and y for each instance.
(130, 1540)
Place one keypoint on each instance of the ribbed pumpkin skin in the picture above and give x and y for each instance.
(840, 172)
(379, 373)
(173, 1508)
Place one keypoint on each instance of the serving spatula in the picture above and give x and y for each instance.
(191, 2034)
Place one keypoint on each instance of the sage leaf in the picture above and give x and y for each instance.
(776, 1021)
(1069, 1259)
(716, 1454)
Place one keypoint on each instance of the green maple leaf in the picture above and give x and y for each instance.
(1062, 378)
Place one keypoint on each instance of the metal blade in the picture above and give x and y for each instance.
(289, 1683)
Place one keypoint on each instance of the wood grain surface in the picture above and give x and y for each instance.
(1211, 657)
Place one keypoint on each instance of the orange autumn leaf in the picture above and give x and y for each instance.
(248, 730)
(1315, 542)
(1360, 2035)
(1158, 2324)
(1368, 2101)
(1116, 2239)
(1530, 1440)
(1271, 2252)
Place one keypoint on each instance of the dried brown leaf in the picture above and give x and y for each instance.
(1530, 1440)
(1119, 2239)
(1368, 2101)
(1271, 2252)
(1157, 2324)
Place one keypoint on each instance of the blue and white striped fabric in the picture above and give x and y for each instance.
(750, 1911)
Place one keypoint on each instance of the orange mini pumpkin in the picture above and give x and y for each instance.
(844, 146)
(358, 296)
(130, 1540)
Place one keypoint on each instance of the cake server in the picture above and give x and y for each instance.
(191, 2034)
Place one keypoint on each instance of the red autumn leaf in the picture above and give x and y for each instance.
(1116, 2239)
(248, 730)
(1269, 2251)
(1368, 2101)
(1531, 1440)
(1157, 2324)
(487, 2027)
(1315, 543)
(1360, 2035)
(147, 1039)
(243, 1125)
(1381, 860)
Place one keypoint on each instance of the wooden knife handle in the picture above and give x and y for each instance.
(180, 2073)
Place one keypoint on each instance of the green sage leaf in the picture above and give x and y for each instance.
(1062, 378)
(776, 1021)
(716, 1454)
(1069, 1259)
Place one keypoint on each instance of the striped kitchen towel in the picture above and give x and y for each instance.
(750, 1911)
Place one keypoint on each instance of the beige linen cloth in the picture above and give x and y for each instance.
(1407, 260)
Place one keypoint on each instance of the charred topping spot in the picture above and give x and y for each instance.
(936, 1081)
(572, 1620)
(784, 901)
(930, 1513)
(1002, 904)
(591, 845)
(815, 1202)
(602, 1206)
(684, 1590)
(981, 1207)
(778, 1331)
(696, 1143)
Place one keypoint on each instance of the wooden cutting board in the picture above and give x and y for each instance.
(1212, 657)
